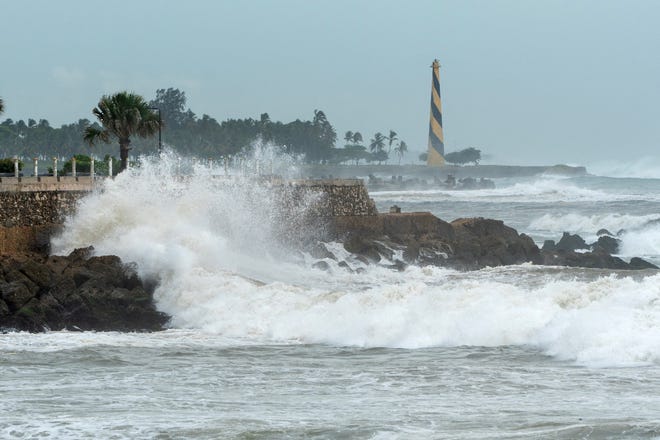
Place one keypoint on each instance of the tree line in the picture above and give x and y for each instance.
(133, 122)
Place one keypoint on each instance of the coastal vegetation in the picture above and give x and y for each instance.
(462, 157)
(122, 116)
(313, 140)
(84, 165)
(7, 165)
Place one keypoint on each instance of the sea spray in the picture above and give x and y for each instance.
(222, 271)
(641, 168)
(591, 224)
(168, 222)
(546, 189)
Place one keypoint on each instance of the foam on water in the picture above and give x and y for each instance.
(639, 234)
(644, 241)
(222, 273)
(590, 224)
(546, 189)
(645, 167)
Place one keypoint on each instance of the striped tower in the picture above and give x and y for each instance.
(436, 137)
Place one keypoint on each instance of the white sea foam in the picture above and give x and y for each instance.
(541, 190)
(639, 234)
(222, 273)
(644, 241)
(645, 168)
(590, 224)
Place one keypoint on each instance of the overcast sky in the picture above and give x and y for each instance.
(527, 82)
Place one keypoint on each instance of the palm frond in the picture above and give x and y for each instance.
(92, 135)
(126, 114)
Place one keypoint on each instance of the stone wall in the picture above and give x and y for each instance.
(28, 218)
(336, 197)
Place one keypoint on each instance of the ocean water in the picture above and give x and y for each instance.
(263, 345)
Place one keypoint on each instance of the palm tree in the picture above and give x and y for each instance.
(357, 137)
(348, 137)
(391, 138)
(401, 150)
(377, 143)
(122, 115)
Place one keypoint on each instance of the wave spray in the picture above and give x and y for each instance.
(211, 242)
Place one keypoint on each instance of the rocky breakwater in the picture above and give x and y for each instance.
(572, 250)
(74, 292)
(464, 244)
(423, 239)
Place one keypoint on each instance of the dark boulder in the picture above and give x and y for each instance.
(77, 292)
(549, 245)
(484, 242)
(638, 263)
(362, 246)
(466, 244)
(607, 244)
(595, 260)
(345, 265)
(319, 251)
(570, 242)
(15, 294)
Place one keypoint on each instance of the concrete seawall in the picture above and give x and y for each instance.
(46, 183)
(32, 209)
(29, 218)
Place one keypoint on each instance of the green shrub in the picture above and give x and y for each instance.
(7, 165)
(83, 165)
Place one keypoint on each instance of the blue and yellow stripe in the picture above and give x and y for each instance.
(436, 149)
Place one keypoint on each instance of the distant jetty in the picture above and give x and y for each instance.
(423, 171)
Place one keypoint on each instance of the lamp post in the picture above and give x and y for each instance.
(160, 123)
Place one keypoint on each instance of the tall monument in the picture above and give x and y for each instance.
(436, 151)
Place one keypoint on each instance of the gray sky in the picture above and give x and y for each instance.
(527, 82)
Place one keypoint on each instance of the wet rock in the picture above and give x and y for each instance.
(15, 294)
(345, 265)
(362, 246)
(570, 242)
(39, 274)
(640, 264)
(410, 250)
(595, 260)
(604, 232)
(384, 248)
(607, 244)
(549, 245)
(4, 309)
(468, 244)
(77, 292)
(319, 251)
(14, 275)
(485, 242)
